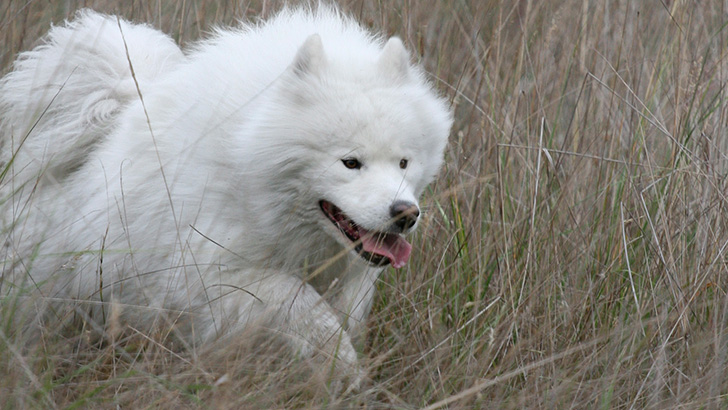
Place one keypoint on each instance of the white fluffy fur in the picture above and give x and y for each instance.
(202, 197)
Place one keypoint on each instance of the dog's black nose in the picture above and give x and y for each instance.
(404, 214)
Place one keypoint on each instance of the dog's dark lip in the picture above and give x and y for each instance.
(350, 230)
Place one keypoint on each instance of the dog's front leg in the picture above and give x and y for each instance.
(298, 312)
(354, 300)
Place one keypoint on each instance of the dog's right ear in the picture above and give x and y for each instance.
(310, 58)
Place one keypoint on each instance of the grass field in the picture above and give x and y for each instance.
(573, 252)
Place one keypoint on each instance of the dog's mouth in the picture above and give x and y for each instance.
(377, 248)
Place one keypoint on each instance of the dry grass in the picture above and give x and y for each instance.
(574, 249)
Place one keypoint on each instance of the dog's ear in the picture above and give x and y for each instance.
(394, 61)
(310, 58)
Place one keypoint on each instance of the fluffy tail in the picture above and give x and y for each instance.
(62, 97)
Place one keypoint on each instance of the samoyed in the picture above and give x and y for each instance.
(266, 175)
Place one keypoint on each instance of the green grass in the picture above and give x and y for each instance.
(573, 251)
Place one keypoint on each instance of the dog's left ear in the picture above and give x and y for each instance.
(394, 61)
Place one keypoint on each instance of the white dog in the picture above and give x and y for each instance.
(268, 173)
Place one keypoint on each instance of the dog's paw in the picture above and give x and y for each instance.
(338, 358)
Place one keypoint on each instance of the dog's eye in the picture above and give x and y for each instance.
(403, 163)
(351, 163)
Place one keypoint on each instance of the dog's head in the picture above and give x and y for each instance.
(372, 133)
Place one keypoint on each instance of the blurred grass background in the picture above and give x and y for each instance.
(573, 251)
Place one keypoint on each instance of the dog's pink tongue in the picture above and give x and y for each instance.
(392, 246)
